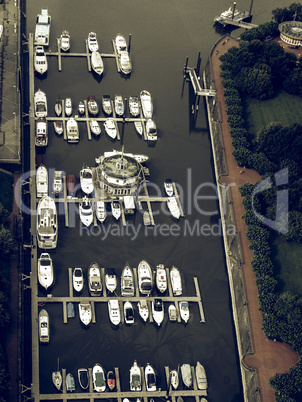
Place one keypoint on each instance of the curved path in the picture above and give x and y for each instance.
(269, 357)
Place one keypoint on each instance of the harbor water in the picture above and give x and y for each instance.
(163, 35)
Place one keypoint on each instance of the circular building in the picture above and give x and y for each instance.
(291, 32)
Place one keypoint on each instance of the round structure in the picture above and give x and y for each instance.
(291, 32)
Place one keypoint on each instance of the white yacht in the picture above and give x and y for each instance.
(147, 104)
(106, 104)
(168, 185)
(174, 379)
(138, 124)
(72, 130)
(128, 313)
(158, 311)
(127, 281)
(151, 130)
(116, 208)
(47, 229)
(134, 105)
(110, 280)
(68, 106)
(85, 313)
(58, 127)
(120, 44)
(186, 375)
(41, 181)
(41, 139)
(57, 185)
(94, 279)
(150, 378)
(86, 180)
(145, 278)
(40, 102)
(78, 279)
(65, 41)
(44, 326)
(114, 311)
(176, 281)
(201, 377)
(125, 63)
(42, 29)
(184, 310)
(161, 278)
(98, 378)
(85, 210)
(110, 128)
(143, 309)
(97, 63)
(100, 211)
(135, 377)
(95, 127)
(57, 378)
(45, 270)
(81, 108)
(173, 207)
(92, 105)
(172, 312)
(119, 105)
(40, 60)
(93, 45)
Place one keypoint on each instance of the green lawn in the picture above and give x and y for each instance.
(287, 257)
(284, 108)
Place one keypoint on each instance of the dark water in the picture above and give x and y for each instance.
(163, 33)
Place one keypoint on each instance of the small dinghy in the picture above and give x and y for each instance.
(174, 379)
(85, 313)
(70, 310)
(70, 383)
(58, 127)
(111, 380)
(143, 309)
(186, 375)
(83, 378)
(57, 378)
(128, 313)
(77, 279)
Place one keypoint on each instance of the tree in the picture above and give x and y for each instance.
(7, 242)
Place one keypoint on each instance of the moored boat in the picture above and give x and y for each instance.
(58, 127)
(111, 380)
(95, 127)
(151, 130)
(57, 378)
(134, 105)
(85, 313)
(42, 29)
(184, 310)
(41, 181)
(125, 63)
(44, 326)
(83, 378)
(145, 278)
(174, 379)
(71, 184)
(201, 377)
(143, 309)
(161, 278)
(72, 130)
(45, 270)
(40, 60)
(146, 218)
(58, 107)
(85, 211)
(172, 312)
(110, 280)
(65, 41)
(41, 139)
(92, 105)
(128, 313)
(158, 311)
(47, 230)
(110, 128)
(173, 207)
(120, 43)
(138, 124)
(70, 310)
(175, 281)
(68, 106)
(147, 104)
(81, 108)
(93, 45)
(119, 105)
(150, 378)
(116, 209)
(106, 104)
(135, 377)
(70, 383)
(168, 185)
(97, 63)
(78, 279)
(40, 103)
(100, 211)
(114, 311)
(86, 180)
(127, 281)
(98, 378)
(186, 375)
(94, 279)
(57, 184)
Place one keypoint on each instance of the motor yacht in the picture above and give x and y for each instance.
(72, 130)
(158, 311)
(41, 132)
(161, 278)
(143, 309)
(97, 63)
(127, 281)
(114, 312)
(128, 313)
(45, 271)
(85, 312)
(44, 326)
(147, 104)
(42, 181)
(94, 280)
(40, 60)
(47, 229)
(40, 103)
(110, 280)
(176, 281)
(135, 377)
(86, 180)
(145, 278)
(184, 310)
(86, 212)
(100, 211)
(150, 378)
(65, 41)
(93, 45)
(98, 378)
(78, 279)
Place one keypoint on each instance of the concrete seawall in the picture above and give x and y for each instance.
(232, 244)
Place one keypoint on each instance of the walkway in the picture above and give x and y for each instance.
(269, 357)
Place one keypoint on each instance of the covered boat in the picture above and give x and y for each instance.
(106, 104)
(174, 379)
(116, 208)
(98, 378)
(94, 279)
(41, 132)
(186, 375)
(65, 41)
(147, 104)
(45, 270)
(70, 310)
(173, 207)
(100, 211)
(85, 313)
(72, 130)
(92, 105)
(184, 310)
(85, 210)
(150, 378)
(119, 105)
(58, 127)
(47, 230)
(97, 63)
(135, 377)
(158, 311)
(40, 60)
(151, 130)
(83, 378)
(58, 107)
(57, 184)
(114, 311)
(93, 45)
(172, 312)
(128, 313)
(71, 184)
(40, 102)
(70, 383)
(86, 180)
(143, 309)
(127, 281)
(44, 326)
(145, 278)
(78, 279)
(57, 378)
(168, 185)
(139, 127)
(161, 278)
(111, 380)
(110, 280)
(201, 377)
(41, 181)
(110, 128)
(134, 105)
(176, 281)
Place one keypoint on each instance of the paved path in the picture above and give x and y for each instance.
(270, 357)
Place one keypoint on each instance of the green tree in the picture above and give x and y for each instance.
(7, 242)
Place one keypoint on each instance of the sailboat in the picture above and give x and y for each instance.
(57, 377)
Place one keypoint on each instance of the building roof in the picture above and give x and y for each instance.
(292, 29)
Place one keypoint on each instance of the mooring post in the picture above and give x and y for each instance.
(129, 46)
